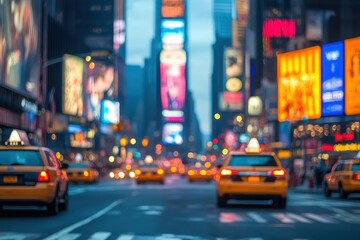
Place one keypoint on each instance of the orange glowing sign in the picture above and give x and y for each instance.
(352, 76)
(172, 8)
(299, 84)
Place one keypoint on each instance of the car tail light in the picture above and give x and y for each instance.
(44, 176)
(160, 171)
(137, 172)
(356, 176)
(278, 173)
(228, 172)
(191, 172)
(86, 173)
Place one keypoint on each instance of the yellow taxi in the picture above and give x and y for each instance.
(343, 178)
(150, 173)
(31, 176)
(201, 174)
(252, 175)
(82, 172)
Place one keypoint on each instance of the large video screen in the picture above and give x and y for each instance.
(173, 133)
(352, 76)
(99, 85)
(73, 70)
(20, 45)
(110, 112)
(333, 79)
(79, 137)
(299, 87)
(173, 79)
(172, 33)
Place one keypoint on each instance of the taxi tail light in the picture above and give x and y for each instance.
(160, 171)
(228, 172)
(356, 176)
(280, 173)
(44, 176)
(137, 172)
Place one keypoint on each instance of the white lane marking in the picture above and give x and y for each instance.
(100, 236)
(70, 236)
(125, 237)
(318, 218)
(298, 218)
(153, 213)
(256, 217)
(12, 236)
(283, 218)
(344, 215)
(70, 228)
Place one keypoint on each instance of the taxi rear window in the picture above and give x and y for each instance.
(252, 161)
(148, 166)
(20, 158)
(355, 167)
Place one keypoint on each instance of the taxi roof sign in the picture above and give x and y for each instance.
(253, 146)
(17, 138)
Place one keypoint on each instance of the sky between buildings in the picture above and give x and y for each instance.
(140, 31)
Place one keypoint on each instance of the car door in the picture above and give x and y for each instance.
(338, 171)
(55, 167)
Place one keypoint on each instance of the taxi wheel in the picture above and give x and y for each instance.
(280, 203)
(53, 207)
(221, 202)
(342, 193)
(65, 201)
(327, 191)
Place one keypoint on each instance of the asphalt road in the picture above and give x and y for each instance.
(121, 210)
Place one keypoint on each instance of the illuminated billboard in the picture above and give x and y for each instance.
(73, 68)
(173, 133)
(173, 79)
(80, 137)
(172, 33)
(20, 45)
(99, 85)
(172, 8)
(299, 88)
(333, 79)
(232, 97)
(352, 76)
(110, 112)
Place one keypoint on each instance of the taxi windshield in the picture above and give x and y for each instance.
(77, 165)
(20, 158)
(355, 167)
(148, 166)
(252, 161)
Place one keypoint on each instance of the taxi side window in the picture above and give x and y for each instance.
(339, 167)
(52, 160)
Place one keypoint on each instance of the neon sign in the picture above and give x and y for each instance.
(279, 28)
(340, 137)
(172, 8)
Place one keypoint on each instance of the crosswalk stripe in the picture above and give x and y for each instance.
(70, 236)
(298, 218)
(125, 237)
(256, 217)
(318, 218)
(100, 236)
(283, 217)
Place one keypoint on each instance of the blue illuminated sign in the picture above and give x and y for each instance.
(172, 33)
(333, 79)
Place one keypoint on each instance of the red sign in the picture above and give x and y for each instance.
(327, 147)
(278, 28)
(340, 137)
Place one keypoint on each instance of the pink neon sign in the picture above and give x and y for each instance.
(277, 28)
